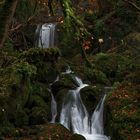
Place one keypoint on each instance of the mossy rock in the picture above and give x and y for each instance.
(36, 100)
(57, 132)
(36, 55)
(90, 96)
(14, 95)
(116, 66)
(38, 115)
(7, 130)
(59, 97)
(21, 118)
(44, 60)
(65, 82)
(54, 132)
(46, 72)
(96, 76)
(77, 137)
(107, 63)
(41, 90)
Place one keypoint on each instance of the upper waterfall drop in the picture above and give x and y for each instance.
(45, 35)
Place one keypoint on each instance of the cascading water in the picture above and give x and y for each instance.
(53, 102)
(97, 118)
(45, 35)
(53, 109)
(74, 115)
(68, 71)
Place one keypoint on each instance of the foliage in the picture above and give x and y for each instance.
(124, 108)
(95, 76)
(26, 9)
(35, 55)
(115, 65)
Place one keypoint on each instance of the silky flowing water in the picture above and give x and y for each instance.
(45, 35)
(74, 115)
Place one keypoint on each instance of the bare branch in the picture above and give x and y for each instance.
(133, 4)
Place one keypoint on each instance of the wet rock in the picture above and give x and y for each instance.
(90, 96)
(65, 82)
(77, 137)
(54, 132)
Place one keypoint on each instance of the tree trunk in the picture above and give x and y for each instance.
(6, 15)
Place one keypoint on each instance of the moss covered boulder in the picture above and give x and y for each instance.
(57, 132)
(36, 55)
(54, 132)
(116, 66)
(39, 103)
(65, 82)
(38, 115)
(95, 76)
(77, 137)
(45, 61)
(90, 96)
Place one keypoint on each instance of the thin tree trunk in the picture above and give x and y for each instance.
(100, 5)
(6, 15)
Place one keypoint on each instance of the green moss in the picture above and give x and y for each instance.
(95, 76)
(44, 60)
(65, 82)
(38, 115)
(7, 130)
(36, 55)
(36, 100)
(41, 90)
(116, 66)
(24, 69)
(21, 118)
(90, 96)
(55, 132)
(46, 72)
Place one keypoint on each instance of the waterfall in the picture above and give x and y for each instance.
(45, 35)
(53, 109)
(97, 118)
(74, 115)
(68, 71)
(53, 102)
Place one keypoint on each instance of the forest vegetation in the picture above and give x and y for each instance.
(98, 39)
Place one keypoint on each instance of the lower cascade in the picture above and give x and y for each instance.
(74, 115)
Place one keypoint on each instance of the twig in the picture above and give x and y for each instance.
(16, 28)
(133, 4)
(22, 24)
